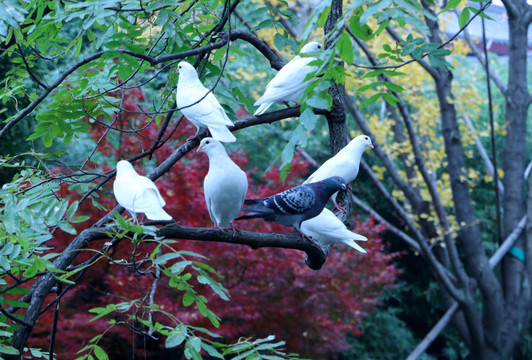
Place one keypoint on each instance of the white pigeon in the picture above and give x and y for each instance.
(200, 106)
(289, 83)
(138, 194)
(326, 228)
(225, 184)
(345, 163)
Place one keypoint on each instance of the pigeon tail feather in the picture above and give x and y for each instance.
(263, 107)
(250, 215)
(158, 214)
(354, 245)
(222, 133)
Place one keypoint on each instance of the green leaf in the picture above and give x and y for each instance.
(179, 266)
(308, 119)
(373, 73)
(165, 257)
(279, 41)
(195, 342)
(393, 87)
(79, 219)
(318, 102)
(8, 350)
(345, 48)
(371, 100)
(268, 23)
(464, 17)
(47, 139)
(11, 220)
(188, 299)
(373, 9)
(390, 99)
(450, 5)
(322, 19)
(211, 351)
(100, 353)
(174, 339)
(286, 160)
(370, 86)
(72, 209)
(363, 32)
(214, 319)
(66, 227)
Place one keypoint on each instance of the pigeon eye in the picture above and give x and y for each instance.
(366, 138)
(319, 46)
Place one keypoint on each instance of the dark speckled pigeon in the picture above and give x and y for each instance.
(295, 205)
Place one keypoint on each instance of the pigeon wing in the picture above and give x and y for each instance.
(293, 201)
(147, 184)
(335, 166)
(208, 111)
(288, 80)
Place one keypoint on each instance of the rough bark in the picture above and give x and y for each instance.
(515, 276)
(336, 118)
(485, 331)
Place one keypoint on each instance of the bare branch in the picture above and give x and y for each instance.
(482, 152)
(446, 318)
(398, 232)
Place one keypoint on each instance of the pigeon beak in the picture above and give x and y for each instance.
(344, 187)
(371, 146)
(199, 148)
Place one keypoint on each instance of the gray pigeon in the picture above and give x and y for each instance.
(293, 206)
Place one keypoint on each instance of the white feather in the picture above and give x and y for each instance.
(200, 106)
(289, 83)
(225, 184)
(328, 229)
(138, 194)
(345, 163)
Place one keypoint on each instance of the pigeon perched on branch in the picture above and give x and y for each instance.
(225, 184)
(293, 206)
(345, 163)
(289, 83)
(200, 106)
(327, 229)
(138, 194)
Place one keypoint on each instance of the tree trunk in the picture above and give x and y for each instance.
(515, 276)
(336, 118)
(485, 332)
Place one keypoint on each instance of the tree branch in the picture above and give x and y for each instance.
(446, 318)
(482, 152)
(275, 60)
(315, 254)
(478, 54)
